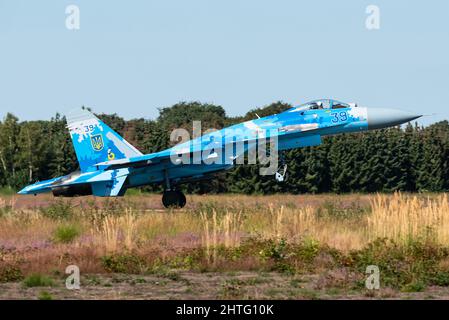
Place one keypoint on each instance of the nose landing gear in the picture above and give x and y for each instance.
(281, 175)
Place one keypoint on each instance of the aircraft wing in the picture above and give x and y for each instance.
(295, 132)
(135, 162)
(146, 160)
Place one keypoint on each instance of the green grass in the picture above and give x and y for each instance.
(65, 234)
(409, 267)
(7, 191)
(416, 286)
(296, 283)
(309, 294)
(38, 280)
(58, 210)
(134, 192)
(231, 290)
(45, 295)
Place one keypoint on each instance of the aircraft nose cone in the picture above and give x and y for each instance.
(382, 118)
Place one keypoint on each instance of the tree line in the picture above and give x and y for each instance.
(413, 158)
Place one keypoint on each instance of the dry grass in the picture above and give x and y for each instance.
(342, 222)
(114, 232)
(224, 230)
(405, 218)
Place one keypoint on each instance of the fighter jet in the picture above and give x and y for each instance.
(109, 165)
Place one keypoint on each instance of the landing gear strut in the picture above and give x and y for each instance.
(173, 199)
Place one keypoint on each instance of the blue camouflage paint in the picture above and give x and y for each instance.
(95, 142)
(110, 164)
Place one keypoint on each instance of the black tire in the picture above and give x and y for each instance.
(181, 199)
(173, 199)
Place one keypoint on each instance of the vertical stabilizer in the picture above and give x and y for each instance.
(94, 141)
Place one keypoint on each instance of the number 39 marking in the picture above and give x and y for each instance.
(339, 116)
(88, 129)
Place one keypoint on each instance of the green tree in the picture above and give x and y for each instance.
(9, 147)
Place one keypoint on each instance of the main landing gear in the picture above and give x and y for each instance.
(172, 198)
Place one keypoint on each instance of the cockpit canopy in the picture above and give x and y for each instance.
(322, 104)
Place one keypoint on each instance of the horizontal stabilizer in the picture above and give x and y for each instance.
(112, 188)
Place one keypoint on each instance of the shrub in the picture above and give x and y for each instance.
(10, 274)
(45, 295)
(58, 210)
(65, 234)
(441, 279)
(275, 250)
(407, 266)
(38, 280)
(308, 250)
(123, 263)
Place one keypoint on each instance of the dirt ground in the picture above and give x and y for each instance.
(188, 285)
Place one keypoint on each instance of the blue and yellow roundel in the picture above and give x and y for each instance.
(97, 142)
(111, 155)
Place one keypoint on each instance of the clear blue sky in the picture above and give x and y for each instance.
(132, 57)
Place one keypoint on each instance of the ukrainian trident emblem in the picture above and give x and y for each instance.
(97, 142)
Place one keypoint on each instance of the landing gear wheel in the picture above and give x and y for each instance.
(173, 199)
(182, 199)
(282, 174)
